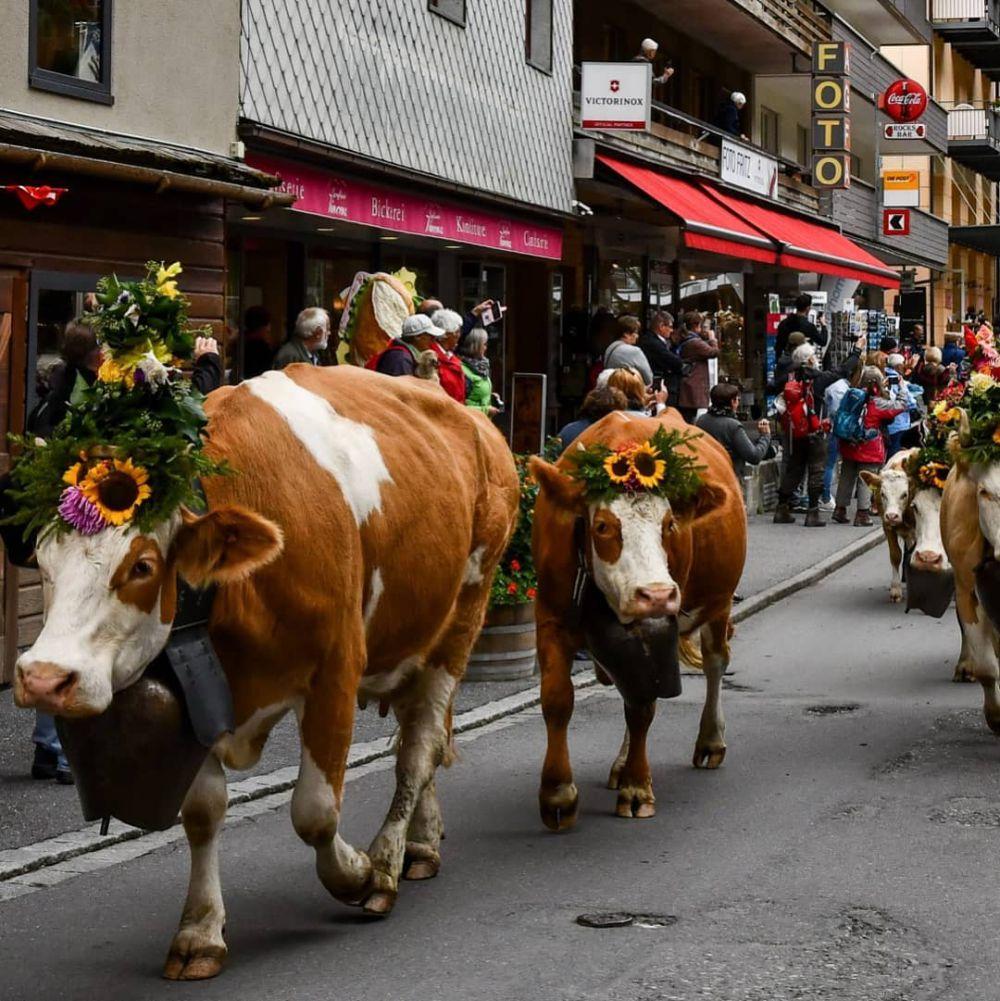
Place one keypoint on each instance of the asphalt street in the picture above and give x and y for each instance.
(846, 849)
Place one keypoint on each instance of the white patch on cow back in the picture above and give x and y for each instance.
(374, 593)
(643, 560)
(346, 449)
(474, 567)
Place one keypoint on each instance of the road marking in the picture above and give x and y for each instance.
(47, 863)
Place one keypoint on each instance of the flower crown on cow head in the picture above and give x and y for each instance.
(656, 466)
(129, 451)
(975, 415)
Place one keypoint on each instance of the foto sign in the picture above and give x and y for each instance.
(748, 169)
(896, 222)
(900, 189)
(831, 107)
(616, 96)
(906, 130)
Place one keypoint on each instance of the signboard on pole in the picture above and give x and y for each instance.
(900, 189)
(616, 96)
(895, 222)
(749, 169)
(831, 108)
(904, 101)
(906, 130)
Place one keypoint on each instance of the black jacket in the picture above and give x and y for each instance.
(665, 363)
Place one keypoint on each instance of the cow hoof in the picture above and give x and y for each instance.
(187, 962)
(559, 808)
(895, 596)
(636, 805)
(380, 903)
(963, 675)
(708, 757)
(420, 862)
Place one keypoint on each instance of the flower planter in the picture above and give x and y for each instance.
(505, 650)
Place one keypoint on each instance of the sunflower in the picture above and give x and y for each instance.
(996, 435)
(74, 474)
(113, 371)
(931, 474)
(649, 467)
(618, 466)
(116, 488)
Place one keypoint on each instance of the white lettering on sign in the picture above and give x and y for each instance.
(433, 223)
(382, 208)
(336, 202)
(296, 188)
(469, 227)
(504, 235)
(536, 242)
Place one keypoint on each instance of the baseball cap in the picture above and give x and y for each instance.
(420, 323)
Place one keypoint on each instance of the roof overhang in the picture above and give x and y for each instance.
(985, 239)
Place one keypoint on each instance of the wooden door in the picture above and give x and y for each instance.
(13, 353)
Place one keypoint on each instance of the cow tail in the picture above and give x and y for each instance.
(690, 651)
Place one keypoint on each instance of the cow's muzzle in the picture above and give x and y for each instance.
(654, 601)
(46, 687)
(892, 518)
(928, 559)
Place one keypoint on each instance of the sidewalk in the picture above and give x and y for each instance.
(32, 811)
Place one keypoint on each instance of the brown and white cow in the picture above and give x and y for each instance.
(350, 487)
(650, 560)
(911, 519)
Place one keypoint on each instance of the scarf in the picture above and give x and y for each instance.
(481, 366)
(722, 412)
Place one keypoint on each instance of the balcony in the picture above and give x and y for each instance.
(885, 22)
(974, 139)
(972, 27)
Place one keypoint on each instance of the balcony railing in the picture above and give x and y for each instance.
(792, 19)
(973, 124)
(962, 10)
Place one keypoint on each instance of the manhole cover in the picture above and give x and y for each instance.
(624, 919)
(848, 707)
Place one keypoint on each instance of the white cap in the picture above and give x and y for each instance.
(739, 97)
(420, 323)
(649, 43)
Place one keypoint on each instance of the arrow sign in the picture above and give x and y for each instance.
(906, 130)
(896, 222)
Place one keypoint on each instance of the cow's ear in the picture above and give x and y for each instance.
(872, 479)
(225, 545)
(557, 486)
(708, 499)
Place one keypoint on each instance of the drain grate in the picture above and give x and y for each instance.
(626, 919)
(833, 710)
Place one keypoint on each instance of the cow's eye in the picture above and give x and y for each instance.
(601, 528)
(142, 569)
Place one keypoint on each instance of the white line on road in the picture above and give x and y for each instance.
(47, 863)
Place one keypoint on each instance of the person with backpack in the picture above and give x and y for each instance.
(832, 399)
(864, 413)
(801, 409)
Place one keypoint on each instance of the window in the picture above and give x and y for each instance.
(802, 149)
(453, 10)
(538, 34)
(770, 125)
(70, 48)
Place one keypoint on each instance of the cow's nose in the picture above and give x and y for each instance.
(928, 557)
(657, 602)
(893, 519)
(44, 686)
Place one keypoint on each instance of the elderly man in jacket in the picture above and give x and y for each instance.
(657, 345)
(310, 336)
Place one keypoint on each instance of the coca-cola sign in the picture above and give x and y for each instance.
(904, 101)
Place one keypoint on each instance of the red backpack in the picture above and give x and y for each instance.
(800, 419)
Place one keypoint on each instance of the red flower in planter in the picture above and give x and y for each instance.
(531, 592)
(512, 588)
(515, 567)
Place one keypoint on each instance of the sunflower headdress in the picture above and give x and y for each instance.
(663, 465)
(130, 451)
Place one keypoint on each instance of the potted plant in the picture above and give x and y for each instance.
(505, 650)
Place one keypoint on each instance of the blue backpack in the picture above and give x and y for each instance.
(849, 424)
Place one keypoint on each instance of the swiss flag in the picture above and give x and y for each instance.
(32, 197)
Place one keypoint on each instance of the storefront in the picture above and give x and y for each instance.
(459, 252)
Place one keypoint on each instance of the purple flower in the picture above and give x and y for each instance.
(77, 511)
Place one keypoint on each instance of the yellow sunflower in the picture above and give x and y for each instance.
(116, 488)
(618, 466)
(996, 435)
(649, 467)
(112, 371)
(73, 474)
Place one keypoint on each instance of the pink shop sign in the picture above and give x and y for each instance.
(319, 192)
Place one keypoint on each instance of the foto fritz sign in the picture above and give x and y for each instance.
(616, 96)
(831, 111)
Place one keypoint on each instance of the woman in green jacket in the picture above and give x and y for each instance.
(476, 366)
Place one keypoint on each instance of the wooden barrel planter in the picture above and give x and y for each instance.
(505, 650)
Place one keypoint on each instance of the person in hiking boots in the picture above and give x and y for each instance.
(805, 426)
(867, 453)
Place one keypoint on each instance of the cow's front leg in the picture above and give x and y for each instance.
(635, 784)
(558, 798)
(982, 648)
(422, 712)
(615, 776)
(326, 725)
(198, 949)
(896, 561)
(964, 671)
(423, 840)
(710, 749)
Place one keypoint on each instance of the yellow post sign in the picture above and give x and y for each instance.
(831, 107)
(901, 189)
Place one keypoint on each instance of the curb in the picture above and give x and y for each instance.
(17, 864)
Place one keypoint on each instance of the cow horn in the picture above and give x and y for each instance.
(964, 428)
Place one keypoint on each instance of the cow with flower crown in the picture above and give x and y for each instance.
(639, 534)
(970, 520)
(328, 493)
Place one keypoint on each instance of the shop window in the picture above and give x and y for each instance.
(452, 10)
(538, 34)
(70, 48)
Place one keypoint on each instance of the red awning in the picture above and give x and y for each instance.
(808, 246)
(708, 225)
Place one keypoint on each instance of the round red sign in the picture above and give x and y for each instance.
(904, 101)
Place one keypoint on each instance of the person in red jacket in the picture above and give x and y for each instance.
(868, 454)
(450, 368)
